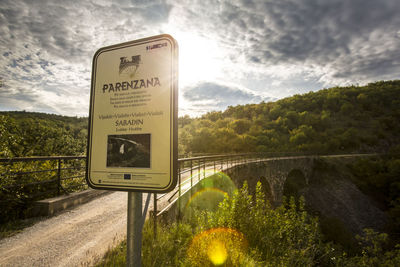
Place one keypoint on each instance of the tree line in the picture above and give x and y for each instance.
(335, 120)
(24, 134)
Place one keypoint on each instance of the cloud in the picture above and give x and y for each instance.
(219, 93)
(47, 47)
(299, 29)
(208, 96)
(271, 48)
(338, 40)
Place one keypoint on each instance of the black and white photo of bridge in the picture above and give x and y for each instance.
(128, 150)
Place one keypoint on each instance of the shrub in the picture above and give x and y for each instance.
(246, 231)
(285, 236)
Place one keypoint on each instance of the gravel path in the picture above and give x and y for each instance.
(75, 237)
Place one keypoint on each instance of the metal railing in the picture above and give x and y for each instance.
(40, 177)
(36, 178)
(63, 174)
(197, 166)
(193, 170)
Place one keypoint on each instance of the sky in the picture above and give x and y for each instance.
(230, 52)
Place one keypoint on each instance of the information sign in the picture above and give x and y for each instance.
(132, 139)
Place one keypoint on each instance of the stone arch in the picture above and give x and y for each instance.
(295, 181)
(275, 172)
(267, 189)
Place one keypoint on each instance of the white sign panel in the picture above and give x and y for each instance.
(132, 140)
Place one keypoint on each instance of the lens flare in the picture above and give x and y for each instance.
(199, 175)
(218, 180)
(217, 252)
(218, 246)
(206, 199)
(210, 192)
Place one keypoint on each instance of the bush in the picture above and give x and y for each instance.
(373, 253)
(246, 231)
(285, 236)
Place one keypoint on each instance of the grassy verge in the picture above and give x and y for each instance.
(168, 249)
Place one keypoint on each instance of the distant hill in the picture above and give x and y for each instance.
(335, 120)
(339, 119)
(39, 134)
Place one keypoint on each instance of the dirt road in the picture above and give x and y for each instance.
(73, 238)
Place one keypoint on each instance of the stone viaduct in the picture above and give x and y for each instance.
(272, 173)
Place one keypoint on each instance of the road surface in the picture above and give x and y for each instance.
(75, 237)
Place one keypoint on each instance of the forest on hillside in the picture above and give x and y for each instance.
(335, 120)
(24, 134)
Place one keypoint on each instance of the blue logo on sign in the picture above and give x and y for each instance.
(127, 176)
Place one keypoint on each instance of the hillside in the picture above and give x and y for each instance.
(25, 134)
(335, 120)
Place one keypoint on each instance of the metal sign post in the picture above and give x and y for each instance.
(134, 230)
(133, 125)
(135, 224)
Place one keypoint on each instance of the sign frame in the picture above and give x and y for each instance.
(173, 117)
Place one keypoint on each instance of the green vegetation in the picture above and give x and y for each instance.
(377, 177)
(24, 134)
(380, 179)
(286, 236)
(335, 120)
(22, 183)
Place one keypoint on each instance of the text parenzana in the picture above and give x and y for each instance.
(135, 84)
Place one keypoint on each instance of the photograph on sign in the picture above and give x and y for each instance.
(132, 141)
(128, 150)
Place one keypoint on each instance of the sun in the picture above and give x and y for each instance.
(200, 57)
